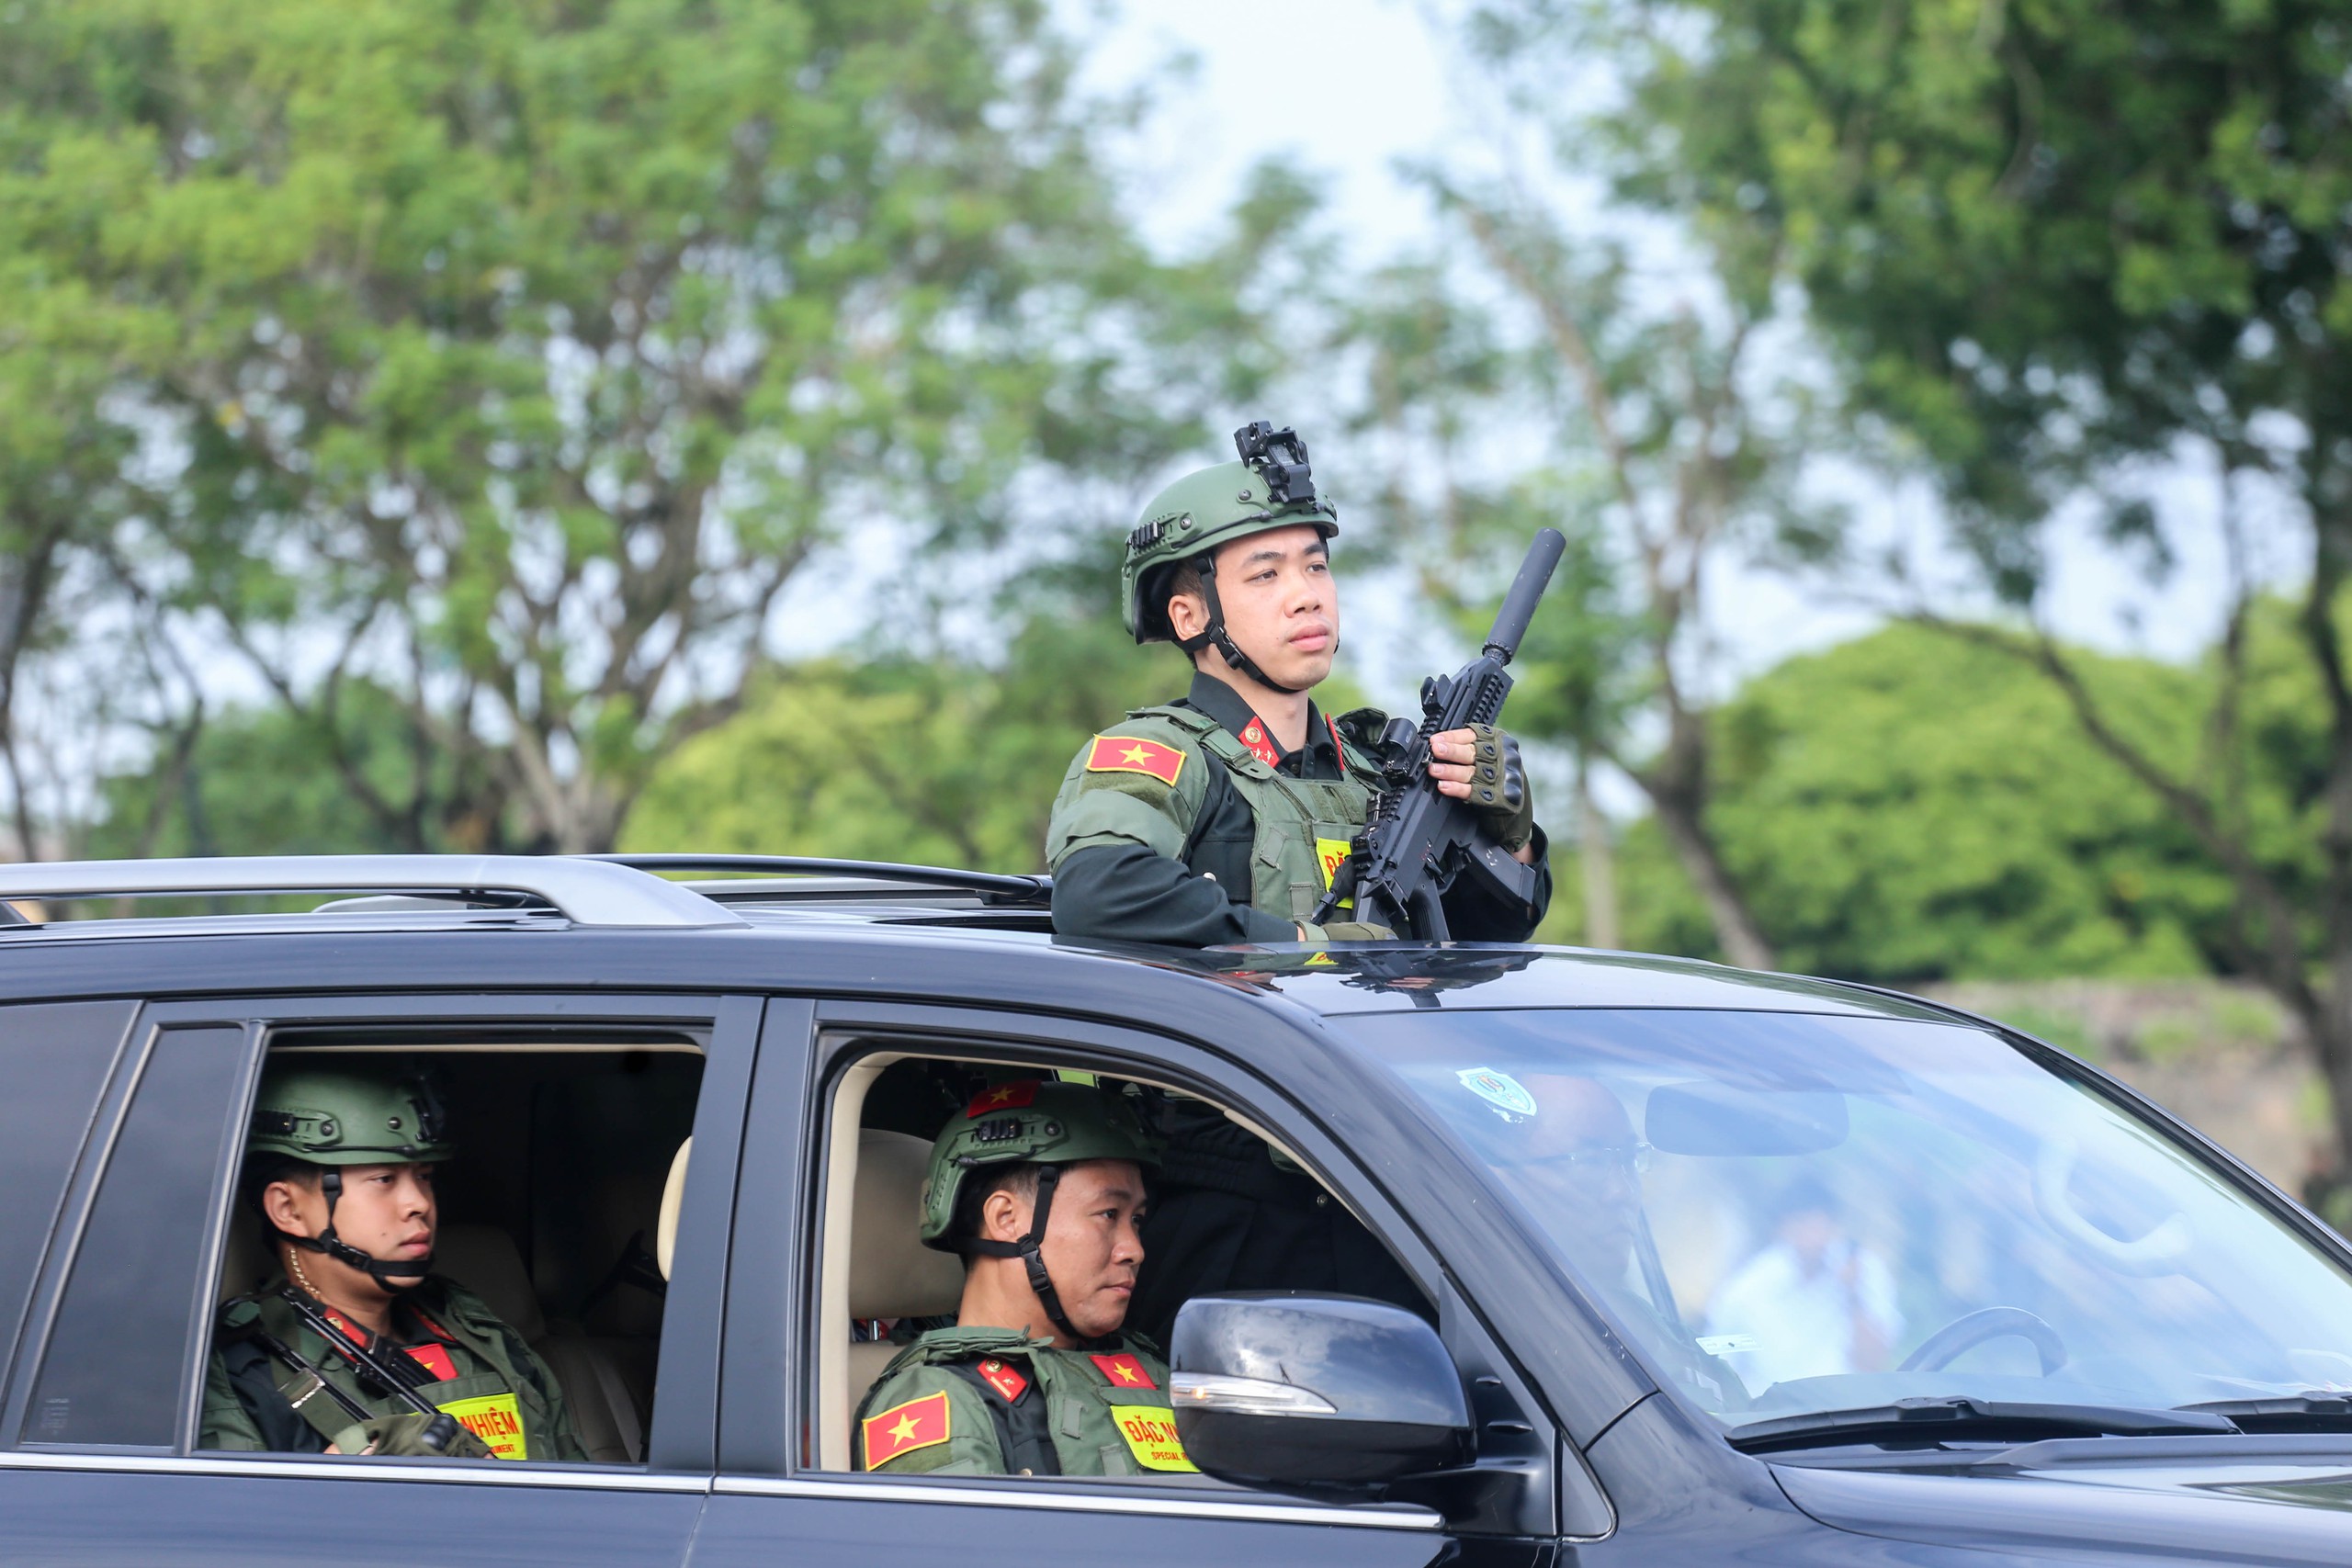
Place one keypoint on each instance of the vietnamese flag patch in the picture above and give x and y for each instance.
(903, 1428)
(1119, 754)
(1125, 1372)
(1002, 1097)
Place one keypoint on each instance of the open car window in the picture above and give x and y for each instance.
(538, 1328)
(882, 1291)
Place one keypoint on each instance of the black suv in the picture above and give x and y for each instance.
(1698, 1266)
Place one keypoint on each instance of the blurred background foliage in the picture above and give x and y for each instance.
(710, 423)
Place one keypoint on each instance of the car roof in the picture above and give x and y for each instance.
(796, 924)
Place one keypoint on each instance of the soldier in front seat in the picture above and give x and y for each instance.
(1040, 1186)
(339, 1167)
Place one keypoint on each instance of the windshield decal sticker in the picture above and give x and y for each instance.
(1501, 1090)
(1728, 1344)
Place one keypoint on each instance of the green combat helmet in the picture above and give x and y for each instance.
(1272, 487)
(339, 1116)
(1030, 1122)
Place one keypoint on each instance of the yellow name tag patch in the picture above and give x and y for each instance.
(496, 1419)
(1150, 1432)
(1333, 855)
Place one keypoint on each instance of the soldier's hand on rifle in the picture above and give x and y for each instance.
(1346, 930)
(404, 1435)
(1480, 763)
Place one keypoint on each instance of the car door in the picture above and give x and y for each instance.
(775, 1498)
(99, 1460)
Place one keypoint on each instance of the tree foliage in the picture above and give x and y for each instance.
(2040, 242)
(1909, 808)
(512, 359)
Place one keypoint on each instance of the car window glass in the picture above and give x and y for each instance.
(539, 1324)
(1794, 1215)
(53, 1058)
(115, 1363)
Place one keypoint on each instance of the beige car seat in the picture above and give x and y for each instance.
(891, 1273)
(607, 1388)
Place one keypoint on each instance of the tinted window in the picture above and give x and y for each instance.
(1799, 1214)
(53, 1058)
(120, 1349)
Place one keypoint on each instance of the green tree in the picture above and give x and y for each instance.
(945, 761)
(511, 360)
(2042, 243)
(1910, 808)
(253, 781)
(1659, 445)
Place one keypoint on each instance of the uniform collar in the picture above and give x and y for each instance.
(1227, 707)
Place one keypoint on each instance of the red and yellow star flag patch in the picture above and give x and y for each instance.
(1120, 754)
(1124, 1370)
(1002, 1097)
(1001, 1377)
(903, 1428)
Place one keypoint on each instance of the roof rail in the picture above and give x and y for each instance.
(584, 891)
(995, 888)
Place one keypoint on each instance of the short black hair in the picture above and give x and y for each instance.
(1178, 577)
(1020, 1180)
(264, 1168)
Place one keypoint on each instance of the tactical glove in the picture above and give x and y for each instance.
(1348, 931)
(404, 1436)
(1499, 786)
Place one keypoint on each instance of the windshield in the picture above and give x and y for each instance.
(1796, 1213)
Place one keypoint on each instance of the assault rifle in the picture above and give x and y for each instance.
(1418, 841)
(441, 1427)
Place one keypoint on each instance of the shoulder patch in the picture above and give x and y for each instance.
(903, 1428)
(1123, 1371)
(1124, 754)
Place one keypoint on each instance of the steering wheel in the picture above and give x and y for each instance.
(1965, 1333)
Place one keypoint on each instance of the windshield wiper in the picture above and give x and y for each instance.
(2313, 1412)
(1962, 1416)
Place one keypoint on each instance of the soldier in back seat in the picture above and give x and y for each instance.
(1040, 1186)
(339, 1167)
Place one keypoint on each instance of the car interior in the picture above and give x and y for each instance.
(880, 1285)
(560, 1209)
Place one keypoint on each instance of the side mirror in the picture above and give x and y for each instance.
(1335, 1395)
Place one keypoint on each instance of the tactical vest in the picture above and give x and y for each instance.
(1303, 827)
(1106, 1411)
(492, 1396)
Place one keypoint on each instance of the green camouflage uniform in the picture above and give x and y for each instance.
(502, 1393)
(996, 1401)
(1302, 826)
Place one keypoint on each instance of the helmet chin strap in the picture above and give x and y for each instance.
(405, 1274)
(1030, 1249)
(1215, 633)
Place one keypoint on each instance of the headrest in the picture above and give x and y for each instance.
(484, 1261)
(891, 1273)
(248, 1259)
(673, 1195)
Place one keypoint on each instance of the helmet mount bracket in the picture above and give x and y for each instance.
(1280, 458)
